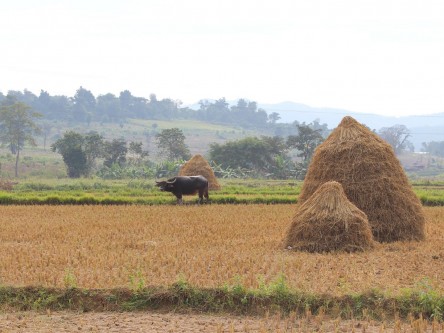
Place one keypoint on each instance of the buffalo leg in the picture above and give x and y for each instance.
(201, 194)
(206, 194)
(179, 199)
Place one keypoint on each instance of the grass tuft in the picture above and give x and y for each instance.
(234, 299)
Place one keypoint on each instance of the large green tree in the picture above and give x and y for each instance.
(260, 155)
(17, 128)
(305, 142)
(171, 144)
(79, 152)
(115, 152)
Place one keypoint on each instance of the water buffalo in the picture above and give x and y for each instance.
(183, 185)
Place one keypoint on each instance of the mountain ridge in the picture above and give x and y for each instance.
(291, 111)
(423, 128)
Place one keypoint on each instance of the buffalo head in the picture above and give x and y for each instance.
(166, 185)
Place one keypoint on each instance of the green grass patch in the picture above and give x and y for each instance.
(144, 192)
(231, 298)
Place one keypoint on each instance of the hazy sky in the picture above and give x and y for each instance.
(378, 56)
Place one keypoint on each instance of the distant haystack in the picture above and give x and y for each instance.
(372, 178)
(198, 165)
(328, 221)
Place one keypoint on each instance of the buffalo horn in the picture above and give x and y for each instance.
(172, 181)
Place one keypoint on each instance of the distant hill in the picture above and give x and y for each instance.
(291, 111)
(424, 128)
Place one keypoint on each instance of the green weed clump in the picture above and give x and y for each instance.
(232, 298)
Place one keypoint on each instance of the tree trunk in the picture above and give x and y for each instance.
(17, 162)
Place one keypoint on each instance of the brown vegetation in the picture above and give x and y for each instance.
(198, 165)
(7, 185)
(328, 221)
(109, 246)
(372, 178)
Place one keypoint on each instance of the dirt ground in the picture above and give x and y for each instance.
(175, 322)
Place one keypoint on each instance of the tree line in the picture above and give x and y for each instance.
(84, 107)
(19, 123)
(251, 156)
(262, 157)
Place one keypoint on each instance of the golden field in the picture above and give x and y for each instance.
(209, 246)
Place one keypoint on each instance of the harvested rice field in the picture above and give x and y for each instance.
(209, 246)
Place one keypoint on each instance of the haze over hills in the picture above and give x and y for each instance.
(423, 128)
(290, 111)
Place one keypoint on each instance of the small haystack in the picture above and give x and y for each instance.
(198, 165)
(328, 221)
(373, 179)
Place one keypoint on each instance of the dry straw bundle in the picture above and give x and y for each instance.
(328, 221)
(372, 178)
(198, 165)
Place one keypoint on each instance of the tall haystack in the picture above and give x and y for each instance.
(198, 165)
(328, 221)
(373, 179)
